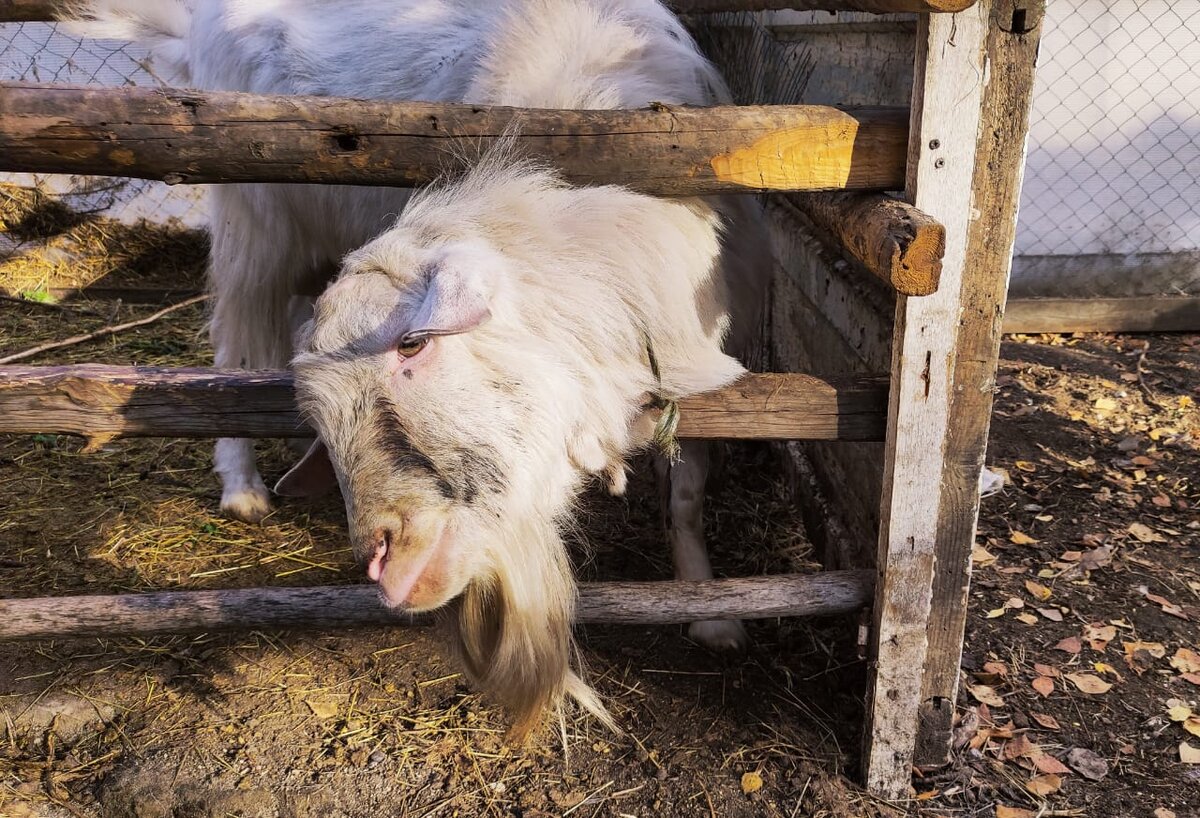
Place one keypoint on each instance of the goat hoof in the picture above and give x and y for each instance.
(250, 505)
(721, 635)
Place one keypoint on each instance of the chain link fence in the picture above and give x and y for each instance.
(42, 52)
(1111, 202)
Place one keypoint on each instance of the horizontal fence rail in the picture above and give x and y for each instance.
(181, 136)
(19, 11)
(635, 603)
(103, 402)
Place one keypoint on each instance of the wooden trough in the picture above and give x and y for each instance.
(900, 453)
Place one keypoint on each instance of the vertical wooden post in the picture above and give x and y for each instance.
(1013, 34)
(947, 91)
(971, 98)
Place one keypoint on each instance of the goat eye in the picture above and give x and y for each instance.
(410, 348)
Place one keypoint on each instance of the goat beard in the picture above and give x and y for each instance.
(512, 631)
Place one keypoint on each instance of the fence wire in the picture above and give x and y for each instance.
(1111, 203)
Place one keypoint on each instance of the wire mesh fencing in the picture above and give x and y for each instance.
(44, 52)
(1111, 202)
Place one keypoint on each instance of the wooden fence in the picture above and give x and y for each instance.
(956, 155)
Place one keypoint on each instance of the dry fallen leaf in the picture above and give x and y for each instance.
(1192, 725)
(1013, 812)
(1097, 558)
(1050, 765)
(1019, 746)
(1021, 538)
(1104, 667)
(981, 557)
(1070, 645)
(1163, 812)
(1144, 533)
(1044, 785)
(1087, 764)
(1168, 607)
(1179, 712)
(1053, 614)
(1140, 655)
(1045, 670)
(1186, 660)
(1089, 683)
(1037, 590)
(1155, 649)
(986, 695)
(1027, 618)
(751, 782)
(1098, 636)
(1189, 754)
(1194, 678)
(1043, 685)
(928, 794)
(995, 668)
(1047, 721)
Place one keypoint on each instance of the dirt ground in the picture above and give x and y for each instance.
(1086, 588)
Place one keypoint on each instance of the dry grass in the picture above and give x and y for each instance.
(367, 722)
(48, 245)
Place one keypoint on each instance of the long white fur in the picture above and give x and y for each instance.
(585, 276)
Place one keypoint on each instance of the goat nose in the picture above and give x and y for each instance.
(381, 543)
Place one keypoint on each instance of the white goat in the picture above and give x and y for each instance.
(500, 341)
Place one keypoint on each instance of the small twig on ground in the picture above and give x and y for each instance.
(102, 332)
(1147, 393)
(49, 305)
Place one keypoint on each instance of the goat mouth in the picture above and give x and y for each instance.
(379, 560)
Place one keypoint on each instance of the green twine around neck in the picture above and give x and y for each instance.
(665, 429)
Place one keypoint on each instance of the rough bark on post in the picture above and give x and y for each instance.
(640, 603)
(947, 97)
(105, 402)
(1010, 53)
(190, 137)
(897, 243)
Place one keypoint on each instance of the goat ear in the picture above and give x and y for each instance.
(311, 477)
(455, 302)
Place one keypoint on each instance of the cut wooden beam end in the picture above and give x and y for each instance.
(895, 241)
(635, 603)
(106, 402)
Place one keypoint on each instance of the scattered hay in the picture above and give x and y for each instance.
(373, 721)
(44, 245)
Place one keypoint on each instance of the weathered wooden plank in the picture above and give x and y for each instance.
(105, 402)
(34, 10)
(1167, 313)
(187, 137)
(829, 316)
(635, 603)
(895, 242)
(947, 96)
(1010, 51)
